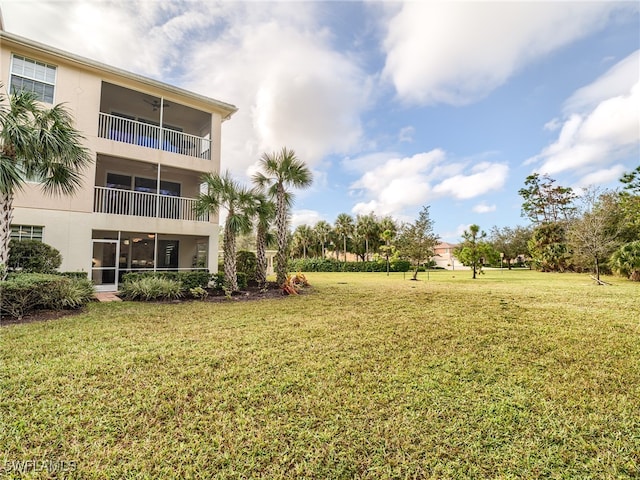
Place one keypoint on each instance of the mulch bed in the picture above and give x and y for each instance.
(252, 292)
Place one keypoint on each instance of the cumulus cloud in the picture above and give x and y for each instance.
(305, 217)
(601, 126)
(291, 87)
(273, 60)
(457, 52)
(402, 183)
(484, 208)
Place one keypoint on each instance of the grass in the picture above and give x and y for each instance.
(513, 375)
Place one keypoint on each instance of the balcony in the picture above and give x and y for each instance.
(150, 121)
(128, 202)
(138, 133)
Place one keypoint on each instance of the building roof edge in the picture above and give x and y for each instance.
(227, 108)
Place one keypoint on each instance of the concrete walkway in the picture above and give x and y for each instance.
(107, 297)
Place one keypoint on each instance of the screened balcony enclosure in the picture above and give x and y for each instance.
(153, 122)
(126, 187)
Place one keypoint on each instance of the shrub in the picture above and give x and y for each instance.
(198, 293)
(217, 280)
(246, 263)
(188, 279)
(32, 256)
(73, 294)
(23, 293)
(151, 288)
(242, 280)
(76, 275)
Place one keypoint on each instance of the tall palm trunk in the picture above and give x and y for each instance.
(229, 253)
(281, 225)
(345, 247)
(6, 215)
(261, 256)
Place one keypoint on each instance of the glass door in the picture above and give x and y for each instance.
(104, 269)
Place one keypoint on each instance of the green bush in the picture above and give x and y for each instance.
(76, 275)
(151, 288)
(198, 293)
(188, 279)
(32, 256)
(243, 281)
(73, 294)
(23, 293)
(217, 280)
(330, 265)
(246, 263)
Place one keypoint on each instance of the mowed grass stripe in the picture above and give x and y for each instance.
(513, 375)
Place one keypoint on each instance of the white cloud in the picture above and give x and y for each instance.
(484, 177)
(291, 88)
(484, 208)
(274, 60)
(406, 134)
(305, 217)
(457, 52)
(601, 177)
(617, 80)
(601, 126)
(403, 183)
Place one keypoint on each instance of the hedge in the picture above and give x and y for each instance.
(330, 265)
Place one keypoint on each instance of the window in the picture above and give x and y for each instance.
(26, 232)
(31, 76)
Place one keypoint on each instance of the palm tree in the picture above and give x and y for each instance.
(224, 192)
(265, 212)
(323, 230)
(626, 261)
(279, 172)
(36, 143)
(303, 236)
(344, 228)
(368, 229)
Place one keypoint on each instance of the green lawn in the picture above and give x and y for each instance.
(513, 375)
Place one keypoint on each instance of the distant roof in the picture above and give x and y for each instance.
(226, 108)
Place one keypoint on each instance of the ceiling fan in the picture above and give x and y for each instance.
(155, 103)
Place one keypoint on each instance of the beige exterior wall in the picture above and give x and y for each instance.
(69, 221)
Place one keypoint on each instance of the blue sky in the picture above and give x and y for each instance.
(394, 105)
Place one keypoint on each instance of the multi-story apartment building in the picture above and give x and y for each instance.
(151, 143)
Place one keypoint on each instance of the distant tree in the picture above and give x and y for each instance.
(510, 242)
(474, 249)
(626, 261)
(369, 230)
(549, 207)
(278, 173)
(322, 230)
(417, 240)
(387, 249)
(223, 192)
(629, 206)
(545, 202)
(593, 234)
(344, 228)
(303, 237)
(549, 249)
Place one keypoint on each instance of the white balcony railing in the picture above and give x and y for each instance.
(139, 133)
(142, 204)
